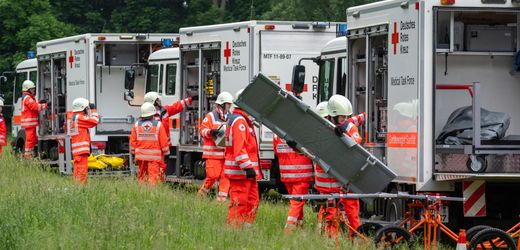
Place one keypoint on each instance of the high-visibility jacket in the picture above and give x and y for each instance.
(30, 108)
(213, 120)
(241, 146)
(3, 131)
(170, 110)
(149, 141)
(78, 124)
(359, 119)
(323, 181)
(294, 166)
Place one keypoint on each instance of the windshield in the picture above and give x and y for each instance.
(326, 80)
(152, 78)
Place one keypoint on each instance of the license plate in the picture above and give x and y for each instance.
(266, 175)
(444, 213)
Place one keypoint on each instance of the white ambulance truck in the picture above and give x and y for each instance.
(99, 67)
(410, 65)
(225, 57)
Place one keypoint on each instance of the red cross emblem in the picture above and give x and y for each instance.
(71, 59)
(288, 87)
(147, 126)
(227, 52)
(395, 38)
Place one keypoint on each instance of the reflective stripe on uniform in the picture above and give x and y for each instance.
(152, 151)
(292, 219)
(82, 149)
(296, 175)
(241, 157)
(295, 167)
(237, 172)
(83, 143)
(153, 157)
(327, 184)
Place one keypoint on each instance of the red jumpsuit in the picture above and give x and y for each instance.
(3, 133)
(79, 124)
(149, 143)
(30, 108)
(164, 116)
(327, 184)
(214, 156)
(296, 173)
(241, 153)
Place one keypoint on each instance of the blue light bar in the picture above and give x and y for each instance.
(342, 30)
(30, 54)
(167, 43)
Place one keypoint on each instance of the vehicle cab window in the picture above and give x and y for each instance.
(326, 80)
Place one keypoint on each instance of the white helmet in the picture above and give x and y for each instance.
(147, 110)
(339, 105)
(322, 109)
(79, 104)
(1, 102)
(28, 84)
(224, 97)
(151, 97)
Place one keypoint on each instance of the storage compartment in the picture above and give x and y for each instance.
(53, 90)
(200, 74)
(476, 31)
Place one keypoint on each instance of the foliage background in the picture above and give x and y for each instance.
(25, 22)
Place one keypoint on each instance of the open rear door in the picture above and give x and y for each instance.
(293, 120)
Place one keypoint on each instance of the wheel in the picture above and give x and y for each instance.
(369, 228)
(476, 164)
(492, 238)
(475, 230)
(392, 237)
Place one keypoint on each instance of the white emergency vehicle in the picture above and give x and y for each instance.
(225, 57)
(99, 67)
(410, 65)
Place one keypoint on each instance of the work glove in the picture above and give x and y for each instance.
(43, 101)
(194, 96)
(292, 144)
(214, 132)
(92, 106)
(250, 173)
(339, 130)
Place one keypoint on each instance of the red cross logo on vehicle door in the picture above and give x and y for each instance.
(71, 59)
(395, 38)
(227, 52)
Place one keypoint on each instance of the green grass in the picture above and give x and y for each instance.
(40, 209)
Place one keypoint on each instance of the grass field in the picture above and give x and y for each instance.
(40, 209)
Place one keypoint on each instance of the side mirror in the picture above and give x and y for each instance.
(129, 79)
(129, 95)
(298, 78)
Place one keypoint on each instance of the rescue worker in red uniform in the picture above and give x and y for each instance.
(3, 129)
(213, 126)
(83, 117)
(337, 109)
(296, 173)
(149, 143)
(165, 112)
(242, 168)
(30, 109)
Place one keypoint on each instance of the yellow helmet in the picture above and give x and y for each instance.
(147, 110)
(151, 97)
(28, 84)
(339, 105)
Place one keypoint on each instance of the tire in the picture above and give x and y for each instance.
(476, 164)
(489, 236)
(475, 230)
(369, 228)
(386, 237)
